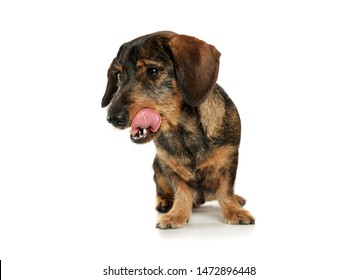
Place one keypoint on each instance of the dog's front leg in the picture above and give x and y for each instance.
(231, 205)
(181, 210)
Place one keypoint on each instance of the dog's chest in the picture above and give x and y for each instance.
(183, 152)
(185, 143)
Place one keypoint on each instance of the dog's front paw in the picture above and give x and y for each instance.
(168, 221)
(240, 217)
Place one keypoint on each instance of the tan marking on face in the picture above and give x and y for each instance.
(170, 108)
(147, 62)
(167, 105)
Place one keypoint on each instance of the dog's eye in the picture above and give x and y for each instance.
(119, 77)
(152, 72)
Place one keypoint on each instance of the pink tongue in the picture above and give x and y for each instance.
(146, 118)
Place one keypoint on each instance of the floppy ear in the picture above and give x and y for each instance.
(112, 86)
(196, 65)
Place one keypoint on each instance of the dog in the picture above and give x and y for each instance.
(163, 87)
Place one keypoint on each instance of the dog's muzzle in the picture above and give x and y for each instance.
(143, 126)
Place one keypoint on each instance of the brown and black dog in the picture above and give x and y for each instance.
(163, 86)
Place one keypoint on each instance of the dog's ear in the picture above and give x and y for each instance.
(196, 65)
(112, 86)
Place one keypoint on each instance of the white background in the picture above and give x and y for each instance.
(77, 196)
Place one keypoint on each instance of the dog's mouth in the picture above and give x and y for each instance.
(144, 125)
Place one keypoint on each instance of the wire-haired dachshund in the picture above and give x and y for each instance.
(163, 87)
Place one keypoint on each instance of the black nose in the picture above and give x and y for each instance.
(118, 120)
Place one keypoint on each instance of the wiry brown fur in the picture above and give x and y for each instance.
(198, 140)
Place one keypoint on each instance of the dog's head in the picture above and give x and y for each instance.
(152, 76)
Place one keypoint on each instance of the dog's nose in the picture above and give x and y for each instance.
(118, 120)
